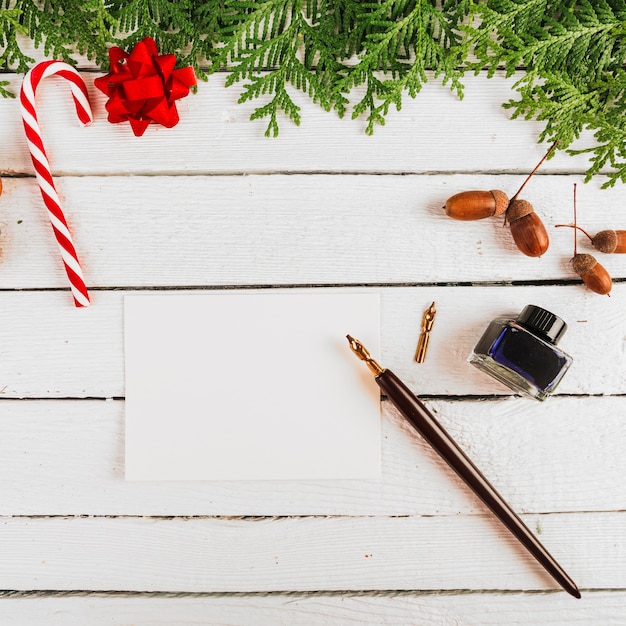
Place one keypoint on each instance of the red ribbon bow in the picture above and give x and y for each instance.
(142, 86)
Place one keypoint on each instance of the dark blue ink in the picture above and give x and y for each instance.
(522, 352)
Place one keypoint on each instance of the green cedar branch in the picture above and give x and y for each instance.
(364, 56)
(573, 53)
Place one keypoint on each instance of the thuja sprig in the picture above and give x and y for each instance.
(407, 41)
(69, 27)
(572, 54)
(169, 22)
(311, 46)
(275, 46)
(12, 55)
(365, 56)
(278, 44)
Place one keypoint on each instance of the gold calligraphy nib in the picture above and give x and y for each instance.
(427, 324)
(359, 349)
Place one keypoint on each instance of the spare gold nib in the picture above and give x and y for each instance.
(359, 349)
(427, 323)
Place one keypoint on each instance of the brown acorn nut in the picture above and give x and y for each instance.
(592, 273)
(529, 233)
(476, 205)
(607, 241)
(610, 241)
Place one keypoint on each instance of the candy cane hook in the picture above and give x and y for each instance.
(42, 165)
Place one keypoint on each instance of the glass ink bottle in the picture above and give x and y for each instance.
(522, 353)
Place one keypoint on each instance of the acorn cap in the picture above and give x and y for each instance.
(518, 209)
(502, 201)
(541, 322)
(605, 241)
(583, 263)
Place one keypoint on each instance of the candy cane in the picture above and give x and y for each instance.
(42, 165)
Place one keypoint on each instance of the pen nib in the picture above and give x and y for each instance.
(359, 349)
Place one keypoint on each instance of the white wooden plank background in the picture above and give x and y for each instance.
(70, 456)
(213, 204)
(315, 609)
(435, 132)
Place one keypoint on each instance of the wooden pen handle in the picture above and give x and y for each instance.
(425, 423)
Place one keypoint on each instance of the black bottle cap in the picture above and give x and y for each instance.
(546, 325)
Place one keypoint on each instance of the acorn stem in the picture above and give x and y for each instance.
(545, 156)
(582, 230)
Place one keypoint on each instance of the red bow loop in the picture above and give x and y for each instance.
(143, 86)
(166, 64)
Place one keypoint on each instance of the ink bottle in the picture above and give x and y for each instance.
(522, 353)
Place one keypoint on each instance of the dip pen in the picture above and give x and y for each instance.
(425, 423)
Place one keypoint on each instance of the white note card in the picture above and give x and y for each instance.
(251, 386)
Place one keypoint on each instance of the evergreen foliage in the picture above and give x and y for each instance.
(573, 55)
(364, 56)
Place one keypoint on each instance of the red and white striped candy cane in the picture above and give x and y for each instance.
(42, 165)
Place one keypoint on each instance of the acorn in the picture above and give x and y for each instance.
(476, 205)
(607, 241)
(529, 233)
(592, 273)
(610, 241)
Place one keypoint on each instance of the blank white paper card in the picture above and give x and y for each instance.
(251, 386)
